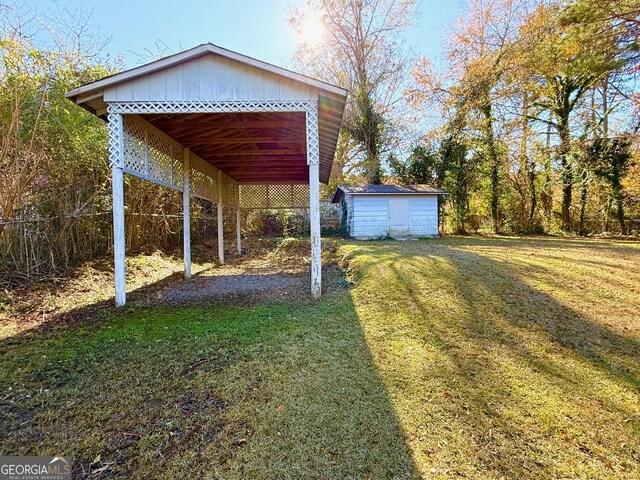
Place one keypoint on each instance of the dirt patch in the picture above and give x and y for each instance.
(219, 287)
(269, 269)
(188, 404)
(225, 288)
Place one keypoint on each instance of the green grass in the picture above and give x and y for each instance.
(458, 357)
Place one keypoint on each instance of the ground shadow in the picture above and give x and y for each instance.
(268, 390)
(536, 388)
(447, 363)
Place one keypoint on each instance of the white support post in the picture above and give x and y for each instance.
(238, 222)
(313, 161)
(116, 158)
(220, 224)
(186, 225)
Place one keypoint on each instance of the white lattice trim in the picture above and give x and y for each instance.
(274, 196)
(151, 154)
(313, 140)
(310, 107)
(203, 179)
(229, 188)
(215, 107)
(114, 132)
(143, 150)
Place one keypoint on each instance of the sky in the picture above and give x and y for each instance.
(257, 28)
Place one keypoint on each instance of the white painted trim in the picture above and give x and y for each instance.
(196, 52)
(153, 180)
(238, 231)
(119, 259)
(238, 221)
(313, 137)
(206, 106)
(314, 202)
(152, 128)
(89, 97)
(186, 223)
(116, 154)
(220, 221)
(309, 107)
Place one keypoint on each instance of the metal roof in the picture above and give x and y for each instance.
(369, 189)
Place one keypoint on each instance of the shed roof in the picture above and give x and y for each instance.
(369, 189)
(258, 147)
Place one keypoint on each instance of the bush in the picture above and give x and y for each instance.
(277, 223)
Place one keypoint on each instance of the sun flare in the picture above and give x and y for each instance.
(312, 29)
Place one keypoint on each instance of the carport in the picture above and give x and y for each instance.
(220, 126)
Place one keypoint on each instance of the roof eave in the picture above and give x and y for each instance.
(398, 193)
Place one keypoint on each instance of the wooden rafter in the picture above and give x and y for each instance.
(249, 146)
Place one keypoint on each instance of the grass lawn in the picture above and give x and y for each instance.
(458, 357)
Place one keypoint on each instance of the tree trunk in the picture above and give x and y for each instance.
(546, 195)
(605, 106)
(584, 191)
(371, 134)
(528, 163)
(533, 200)
(607, 209)
(494, 161)
(567, 174)
(617, 194)
(620, 214)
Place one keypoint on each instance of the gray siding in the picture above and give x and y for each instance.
(370, 216)
(349, 201)
(423, 214)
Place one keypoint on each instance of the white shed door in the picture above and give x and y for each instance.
(399, 217)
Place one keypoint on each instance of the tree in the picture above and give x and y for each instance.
(479, 58)
(459, 179)
(362, 51)
(611, 159)
(52, 154)
(55, 182)
(517, 79)
(568, 59)
(423, 166)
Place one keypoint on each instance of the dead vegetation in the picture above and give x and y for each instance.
(269, 268)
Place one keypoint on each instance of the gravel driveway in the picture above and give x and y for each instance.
(243, 288)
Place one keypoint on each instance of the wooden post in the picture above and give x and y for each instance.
(238, 233)
(314, 201)
(238, 221)
(116, 157)
(186, 214)
(220, 224)
(314, 220)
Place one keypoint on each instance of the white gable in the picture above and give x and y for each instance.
(212, 78)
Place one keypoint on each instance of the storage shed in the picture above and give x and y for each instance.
(373, 211)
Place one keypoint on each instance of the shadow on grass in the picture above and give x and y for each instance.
(274, 390)
(533, 387)
(443, 360)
